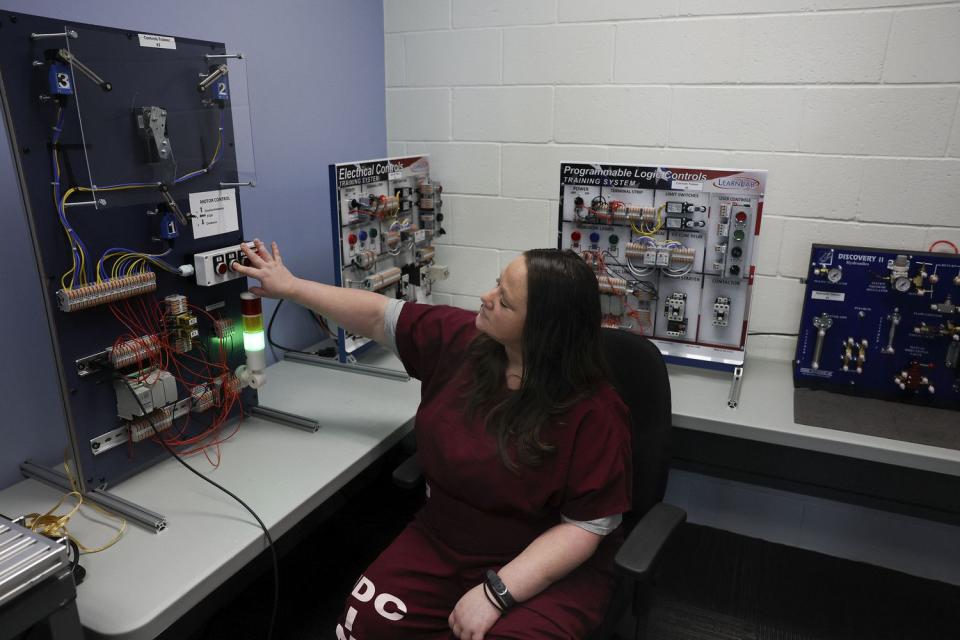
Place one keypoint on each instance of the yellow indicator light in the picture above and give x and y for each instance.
(252, 324)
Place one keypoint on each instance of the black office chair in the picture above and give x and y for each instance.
(640, 377)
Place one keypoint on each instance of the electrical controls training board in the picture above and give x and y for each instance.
(124, 143)
(881, 323)
(673, 249)
(385, 215)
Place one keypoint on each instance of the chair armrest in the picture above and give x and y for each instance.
(408, 475)
(640, 551)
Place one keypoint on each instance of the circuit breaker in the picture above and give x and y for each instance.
(127, 149)
(881, 323)
(673, 249)
(385, 216)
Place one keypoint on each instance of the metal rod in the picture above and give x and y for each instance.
(72, 60)
(211, 56)
(66, 34)
(214, 75)
(283, 417)
(135, 513)
(86, 203)
(734, 398)
(147, 518)
(250, 183)
(366, 369)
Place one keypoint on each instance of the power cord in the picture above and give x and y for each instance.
(266, 532)
(326, 353)
(79, 573)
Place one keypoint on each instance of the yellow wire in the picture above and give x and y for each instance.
(658, 224)
(63, 283)
(118, 188)
(56, 526)
(83, 257)
(217, 149)
(73, 243)
(83, 266)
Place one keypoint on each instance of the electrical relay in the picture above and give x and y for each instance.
(385, 215)
(881, 323)
(126, 148)
(673, 249)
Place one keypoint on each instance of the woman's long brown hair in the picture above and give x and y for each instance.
(562, 358)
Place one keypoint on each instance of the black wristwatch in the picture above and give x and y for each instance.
(499, 590)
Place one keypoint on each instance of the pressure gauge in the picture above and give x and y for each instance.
(901, 284)
(834, 275)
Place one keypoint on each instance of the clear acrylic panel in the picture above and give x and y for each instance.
(160, 120)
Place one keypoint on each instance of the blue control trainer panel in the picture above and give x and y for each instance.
(125, 148)
(883, 324)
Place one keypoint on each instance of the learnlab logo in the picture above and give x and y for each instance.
(738, 182)
(825, 258)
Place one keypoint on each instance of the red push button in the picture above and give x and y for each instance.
(352, 239)
(575, 236)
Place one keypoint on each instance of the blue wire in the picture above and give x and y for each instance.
(57, 130)
(154, 256)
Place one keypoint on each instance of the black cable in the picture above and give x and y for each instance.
(324, 353)
(266, 532)
(649, 287)
(79, 573)
(270, 333)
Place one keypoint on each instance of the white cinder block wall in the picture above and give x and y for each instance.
(852, 105)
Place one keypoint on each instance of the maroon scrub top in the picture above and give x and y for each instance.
(479, 515)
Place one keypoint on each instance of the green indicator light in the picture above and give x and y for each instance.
(614, 239)
(253, 341)
(738, 235)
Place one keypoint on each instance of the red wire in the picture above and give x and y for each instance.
(147, 317)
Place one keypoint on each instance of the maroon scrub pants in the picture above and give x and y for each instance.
(411, 589)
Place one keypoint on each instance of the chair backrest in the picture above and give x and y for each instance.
(640, 377)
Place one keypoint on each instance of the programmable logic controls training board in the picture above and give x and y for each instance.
(673, 249)
(385, 215)
(124, 144)
(881, 323)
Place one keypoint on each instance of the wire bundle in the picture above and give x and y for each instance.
(146, 317)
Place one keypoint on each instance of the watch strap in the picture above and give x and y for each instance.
(499, 590)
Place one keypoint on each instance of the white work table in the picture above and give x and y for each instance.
(145, 582)
(765, 414)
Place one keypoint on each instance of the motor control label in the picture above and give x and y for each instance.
(214, 212)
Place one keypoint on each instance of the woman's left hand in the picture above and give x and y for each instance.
(473, 616)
